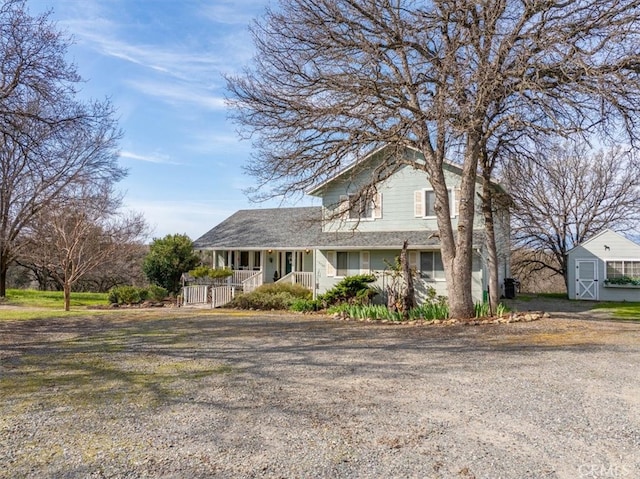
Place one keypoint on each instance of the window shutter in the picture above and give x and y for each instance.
(331, 263)
(413, 260)
(377, 210)
(418, 203)
(364, 262)
(343, 207)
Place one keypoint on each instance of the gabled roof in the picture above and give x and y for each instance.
(301, 228)
(360, 163)
(343, 172)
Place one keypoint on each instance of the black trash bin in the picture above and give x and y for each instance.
(510, 285)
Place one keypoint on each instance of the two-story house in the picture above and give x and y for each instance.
(351, 233)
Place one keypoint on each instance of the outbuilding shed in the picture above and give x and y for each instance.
(605, 268)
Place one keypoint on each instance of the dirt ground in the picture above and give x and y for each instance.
(198, 394)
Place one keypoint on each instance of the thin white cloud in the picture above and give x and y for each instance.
(185, 65)
(177, 93)
(156, 158)
(171, 217)
(189, 62)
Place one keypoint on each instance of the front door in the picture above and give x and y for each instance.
(586, 279)
(288, 262)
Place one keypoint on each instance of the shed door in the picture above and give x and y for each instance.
(586, 279)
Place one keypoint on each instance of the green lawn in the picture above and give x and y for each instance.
(623, 310)
(52, 299)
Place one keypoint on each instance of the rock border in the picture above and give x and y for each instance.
(527, 317)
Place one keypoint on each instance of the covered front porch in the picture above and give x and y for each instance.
(253, 268)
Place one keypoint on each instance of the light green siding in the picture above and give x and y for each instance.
(379, 266)
(397, 201)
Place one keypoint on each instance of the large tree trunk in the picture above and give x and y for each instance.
(408, 297)
(457, 250)
(67, 296)
(490, 238)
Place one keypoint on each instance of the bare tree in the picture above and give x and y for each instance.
(334, 79)
(577, 194)
(52, 163)
(49, 141)
(37, 82)
(125, 268)
(82, 233)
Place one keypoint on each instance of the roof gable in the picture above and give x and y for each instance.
(602, 236)
(362, 164)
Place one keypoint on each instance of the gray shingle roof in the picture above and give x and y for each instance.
(274, 228)
(298, 228)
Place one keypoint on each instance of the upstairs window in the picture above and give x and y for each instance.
(425, 203)
(360, 208)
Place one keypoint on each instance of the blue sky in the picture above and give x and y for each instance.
(161, 64)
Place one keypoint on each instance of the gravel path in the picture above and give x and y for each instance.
(223, 395)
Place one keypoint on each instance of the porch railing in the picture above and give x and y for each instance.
(298, 277)
(216, 296)
(241, 275)
(252, 282)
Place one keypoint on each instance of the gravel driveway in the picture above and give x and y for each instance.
(199, 395)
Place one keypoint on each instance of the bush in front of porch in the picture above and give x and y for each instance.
(271, 296)
(353, 290)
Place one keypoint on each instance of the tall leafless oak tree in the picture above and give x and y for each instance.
(335, 79)
(49, 141)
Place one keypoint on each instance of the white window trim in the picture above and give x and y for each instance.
(453, 204)
(331, 257)
(614, 260)
(365, 262)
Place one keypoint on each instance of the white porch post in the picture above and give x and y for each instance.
(315, 279)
